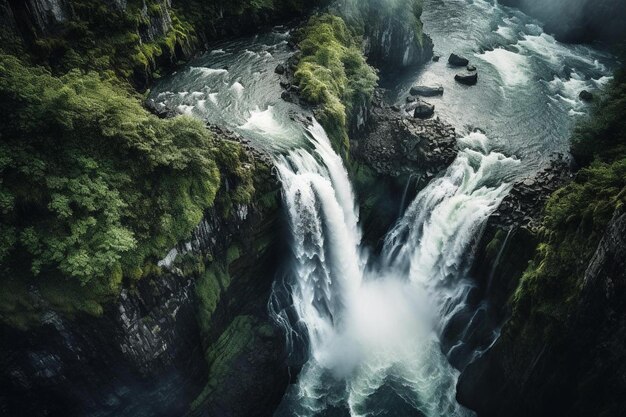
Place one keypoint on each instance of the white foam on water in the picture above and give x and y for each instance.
(184, 109)
(512, 67)
(209, 72)
(264, 122)
(506, 32)
(238, 89)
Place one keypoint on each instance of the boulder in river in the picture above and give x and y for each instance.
(436, 58)
(286, 96)
(280, 69)
(471, 68)
(457, 61)
(585, 95)
(423, 110)
(426, 91)
(467, 78)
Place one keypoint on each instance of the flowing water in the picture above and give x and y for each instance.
(368, 330)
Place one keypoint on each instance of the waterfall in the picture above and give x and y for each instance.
(373, 333)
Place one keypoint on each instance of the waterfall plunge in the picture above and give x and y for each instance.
(376, 330)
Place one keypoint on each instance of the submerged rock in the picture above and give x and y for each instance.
(467, 78)
(426, 91)
(457, 61)
(280, 69)
(471, 68)
(585, 95)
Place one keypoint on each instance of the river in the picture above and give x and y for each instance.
(368, 329)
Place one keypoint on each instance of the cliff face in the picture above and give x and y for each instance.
(578, 20)
(393, 35)
(581, 374)
(157, 348)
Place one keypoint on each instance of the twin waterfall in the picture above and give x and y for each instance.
(370, 327)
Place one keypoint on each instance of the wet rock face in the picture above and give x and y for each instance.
(141, 354)
(584, 374)
(159, 21)
(394, 47)
(48, 13)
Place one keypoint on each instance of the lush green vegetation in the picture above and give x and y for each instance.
(94, 188)
(576, 217)
(137, 42)
(333, 74)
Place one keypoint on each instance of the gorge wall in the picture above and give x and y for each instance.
(554, 262)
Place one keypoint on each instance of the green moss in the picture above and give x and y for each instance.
(209, 289)
(232, 254)
(333, 74)
(220, 356)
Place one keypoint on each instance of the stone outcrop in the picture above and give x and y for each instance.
(394, 143)
(467, 77)
(457, 61)
(426, 91)
(393, 157)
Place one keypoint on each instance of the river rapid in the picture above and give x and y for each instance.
(368, 330)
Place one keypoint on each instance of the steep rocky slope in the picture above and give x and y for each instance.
(559, 283)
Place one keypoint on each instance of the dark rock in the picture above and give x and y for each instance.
(395, 108)
(423, 110)
(436, 58)
(285, 84)
(391, 41)
(410, 99)
(457, 61)
(280, 69)
(286, 96)
(585, 95)
(467, 78)
(471, 68)
(426, 91)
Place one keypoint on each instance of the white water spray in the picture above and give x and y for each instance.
(374, 333)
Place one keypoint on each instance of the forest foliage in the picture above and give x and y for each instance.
(94, 188)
